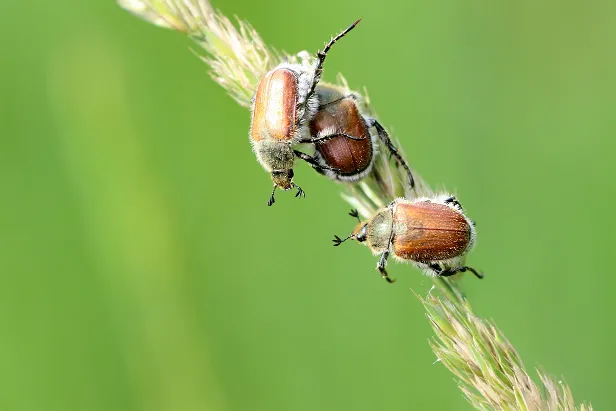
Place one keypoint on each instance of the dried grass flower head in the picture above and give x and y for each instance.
(488, 368)
(236, 54)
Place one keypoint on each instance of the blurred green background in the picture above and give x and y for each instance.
(142, 270)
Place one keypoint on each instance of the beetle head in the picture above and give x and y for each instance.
(361, 232)
(283, 179)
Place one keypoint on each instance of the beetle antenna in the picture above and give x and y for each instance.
(337, 240)
(272, 200)
(318, 70)
(354, 213)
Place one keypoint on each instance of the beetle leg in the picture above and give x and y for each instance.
(272, 200)
(318, 70)
(381, 267)
(329, 137)
(453, 200)
(338, 100)
(314, 163)
(452, 271)
(392, 149)
(300, 193)
(437, 269)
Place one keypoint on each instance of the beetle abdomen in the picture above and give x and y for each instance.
(429, 231)
(348, 156)
(275, 106)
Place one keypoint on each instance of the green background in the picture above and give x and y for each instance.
(141, 269)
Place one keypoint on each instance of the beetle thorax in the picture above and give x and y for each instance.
(275, 155)
(380, 231)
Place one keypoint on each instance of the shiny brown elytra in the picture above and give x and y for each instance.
(284, 104)
(434, 234)
(343, 157)
(275, 107)
(351, 159)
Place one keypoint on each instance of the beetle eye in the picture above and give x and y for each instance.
(361, 236)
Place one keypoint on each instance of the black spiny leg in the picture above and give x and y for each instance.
(381, 267)
(392, 149)
(436, 268)
(323, 139)
(452, 271)
(322, 54)
(272, 200)
(314, 163)
(300, 193)
(453, 200)
(338, 100)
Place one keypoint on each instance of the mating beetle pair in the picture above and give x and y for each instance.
(288, 109)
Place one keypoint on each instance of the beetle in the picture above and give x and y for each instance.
(434, 234)
(341, 158)
(282, 108)
(286, 111)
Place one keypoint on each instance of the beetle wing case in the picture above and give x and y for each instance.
(275, 106)
(428, 231)
(352, 158)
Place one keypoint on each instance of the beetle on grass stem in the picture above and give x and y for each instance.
(434, 234)
(287, 110)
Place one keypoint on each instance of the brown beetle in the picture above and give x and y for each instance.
(283, 106)
(341, 158)
(432, 233)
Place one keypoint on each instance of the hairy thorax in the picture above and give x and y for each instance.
(275, 155)
(379, 231)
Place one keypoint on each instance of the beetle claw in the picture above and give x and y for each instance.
(300, 193)
(389, 280)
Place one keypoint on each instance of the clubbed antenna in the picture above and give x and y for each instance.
(337, 240)
(354, 213)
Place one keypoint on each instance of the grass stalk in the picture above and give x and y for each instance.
(490, 372)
